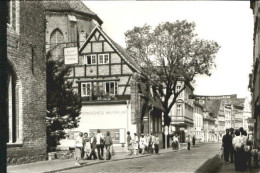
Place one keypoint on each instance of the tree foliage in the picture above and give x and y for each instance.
(169, 53)
(63, 104)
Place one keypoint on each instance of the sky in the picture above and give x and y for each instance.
(229, 23)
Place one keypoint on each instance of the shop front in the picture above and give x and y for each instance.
(115, 118)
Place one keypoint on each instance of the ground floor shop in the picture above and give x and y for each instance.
(116, 118)
(182, 131)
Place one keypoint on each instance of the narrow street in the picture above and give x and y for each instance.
(182, 161)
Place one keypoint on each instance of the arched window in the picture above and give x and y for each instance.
(57, 39)
(14, 107)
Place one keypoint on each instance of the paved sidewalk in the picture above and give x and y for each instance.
(230, 168)
(61, 165)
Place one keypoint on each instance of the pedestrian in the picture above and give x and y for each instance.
(246, 149)
(135, 144)
(175, 142)
(93, 144)
(78, 148)
(237, 144)
(249, 144)
(108, 143)
(148, 143)
(99, 138)
(143, 143)
(129, 144)
(153, 141)
(193, 140)
(179, 144)
(87, 146)
(156, 144)
(232, 148)
(188, 140)
(227, 145)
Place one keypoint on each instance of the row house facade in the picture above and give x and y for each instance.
(198, 121)
(234, 113)
(182, 112)
(26, 82)
(254, 83)
(238, 111)
(246, 114)
(209, 127)
(221, 122)
(229, 116)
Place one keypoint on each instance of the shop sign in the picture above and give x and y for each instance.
(71, 55)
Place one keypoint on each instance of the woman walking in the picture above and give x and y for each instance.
(87, 147)
(143, 143)
(78, 148)
(108, 143)
(135, 144)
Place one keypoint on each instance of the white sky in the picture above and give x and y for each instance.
(228, 23)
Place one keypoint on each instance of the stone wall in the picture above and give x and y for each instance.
(26, 55)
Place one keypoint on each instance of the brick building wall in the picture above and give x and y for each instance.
(73, 33)
(26, 56)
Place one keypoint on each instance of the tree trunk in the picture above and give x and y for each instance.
(167, 119)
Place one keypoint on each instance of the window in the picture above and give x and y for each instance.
(9, 8)
(178, 88)
(111, 87)
(89, 59)
(103, 59)
(13, 14)
(14, 108)
(85, 89)
(55, 41)
(179, 113)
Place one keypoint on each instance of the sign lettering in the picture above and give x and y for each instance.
(71, 55)
(220, 97)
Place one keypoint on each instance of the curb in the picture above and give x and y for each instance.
(89, 164)
(212, 165)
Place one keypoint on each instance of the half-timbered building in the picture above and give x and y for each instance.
(112, 87)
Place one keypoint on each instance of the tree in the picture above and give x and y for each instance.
(170, 53)
(63, 104)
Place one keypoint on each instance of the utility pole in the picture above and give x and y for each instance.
(3, 85)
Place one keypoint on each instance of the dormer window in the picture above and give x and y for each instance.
(103, 58)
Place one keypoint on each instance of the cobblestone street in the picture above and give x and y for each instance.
(182, 161)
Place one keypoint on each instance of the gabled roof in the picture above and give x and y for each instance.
(76, 6)
(127, 58)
